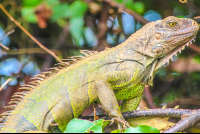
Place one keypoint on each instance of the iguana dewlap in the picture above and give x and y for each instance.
(119, 73)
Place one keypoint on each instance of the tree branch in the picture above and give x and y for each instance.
(135, 15)
(188, 117)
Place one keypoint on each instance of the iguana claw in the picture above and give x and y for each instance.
(121, 123)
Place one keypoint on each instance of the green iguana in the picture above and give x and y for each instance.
(118, 73)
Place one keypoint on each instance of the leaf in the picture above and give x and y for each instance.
(130, 4)
(52, 3)
(119, 1)
(31, 3)
(61, 11)
(76, 28)
(81, 126)
(78, 8)
(28, 14)
(139, 7)
(99, 126)
(115, 131)
(78, 126)
(197, 58)
(142, 129)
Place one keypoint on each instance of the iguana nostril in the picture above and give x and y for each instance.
(157, 50)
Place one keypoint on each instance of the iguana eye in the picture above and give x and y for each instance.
(172, 24)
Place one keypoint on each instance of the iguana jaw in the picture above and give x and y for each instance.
(169, 56)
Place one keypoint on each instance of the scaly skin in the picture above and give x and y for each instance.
(119, 73)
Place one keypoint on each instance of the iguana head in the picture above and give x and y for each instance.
(170, 36)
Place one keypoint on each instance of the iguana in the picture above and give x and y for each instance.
(118, 73)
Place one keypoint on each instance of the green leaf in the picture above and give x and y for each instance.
(119, 1)
(115, 131)
(28, 14)
(180, 16)
(99, 126)
(76, 28)
(105, 123)
(81, 126)
(78, 8)
(175, 74)
(130, 4)
(60, 11)
(31, 3)
(197, 58)
(52, 3)
(78, 126)
(142, 129)
(139, 7)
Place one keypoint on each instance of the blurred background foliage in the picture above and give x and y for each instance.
(66, 26)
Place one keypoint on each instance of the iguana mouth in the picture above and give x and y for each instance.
(165, 60)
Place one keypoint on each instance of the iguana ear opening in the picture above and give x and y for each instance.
(158, 50)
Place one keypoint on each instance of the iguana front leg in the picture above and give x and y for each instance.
(132, 103)
(108, 82)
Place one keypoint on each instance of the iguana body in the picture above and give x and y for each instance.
(119, 73)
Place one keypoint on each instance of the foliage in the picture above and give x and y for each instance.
(85, 126)
(141, 129)
(61, 11)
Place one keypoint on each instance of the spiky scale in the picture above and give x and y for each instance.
(21, 93)
(16, 99)
(54, 68)
(85, 52)
(40, 75)
(10, 107)
(71, 59)
(33, 83)
(47, 73)
(20, 96)
(37, 78)
(28, 85)
(7, 113)
(13, 102)
(25, 88)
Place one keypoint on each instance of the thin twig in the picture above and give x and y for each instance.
(8, 33)
(197, 17)
(33, 38)
(2, 45)
(29, 51)
(5, 83)
(194, 47)
(5, 47)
